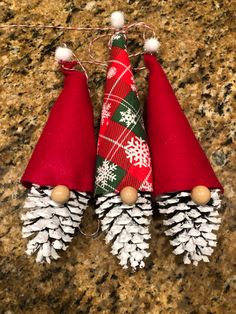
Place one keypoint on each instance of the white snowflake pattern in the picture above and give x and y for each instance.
(105, 173)
(111, 72)
(137, 152)
(146, 186)
(105, 112)
(128, 117)
(116, 37)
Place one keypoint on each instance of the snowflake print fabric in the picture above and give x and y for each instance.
(105, 173)
(123, 157)
(137, 152)
(127, 117)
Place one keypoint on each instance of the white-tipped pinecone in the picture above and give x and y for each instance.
(191, 225)
(127, 227)
(52, 224)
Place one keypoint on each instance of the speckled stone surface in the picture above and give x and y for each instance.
(198, 54)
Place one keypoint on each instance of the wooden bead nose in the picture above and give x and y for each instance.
(60, 194)
(129, 195)
(200, 195)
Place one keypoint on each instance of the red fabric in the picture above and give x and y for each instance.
(178, 160)
(65, 153)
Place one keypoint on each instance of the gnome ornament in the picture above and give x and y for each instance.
(123, 182)
(60, 173)
(185, 186)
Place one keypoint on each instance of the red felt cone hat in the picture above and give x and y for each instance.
(65, 153)
(178, 161)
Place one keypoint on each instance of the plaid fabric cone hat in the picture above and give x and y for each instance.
(60, 173)
(184, 181)
(123, 171)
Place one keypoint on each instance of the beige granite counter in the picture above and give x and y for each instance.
(198, 54)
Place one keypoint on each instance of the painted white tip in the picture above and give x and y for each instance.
(117, 19)
(63, 54)
(151, 45)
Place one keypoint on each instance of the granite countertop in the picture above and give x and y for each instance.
(198, 55)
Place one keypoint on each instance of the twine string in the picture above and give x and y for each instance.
(7, 26)
(80, 63)
(103, 63)
(111, 31)
(73, 28)
(124, 30)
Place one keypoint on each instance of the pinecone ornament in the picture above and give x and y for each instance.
(60, 173)
(179, 168)
(123, 183)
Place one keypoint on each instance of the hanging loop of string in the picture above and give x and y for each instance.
(111, 32)
(92, 235)
(80, 63)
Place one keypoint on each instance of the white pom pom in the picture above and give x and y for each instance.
(151, 45)
(63, 54)
(117, 19)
